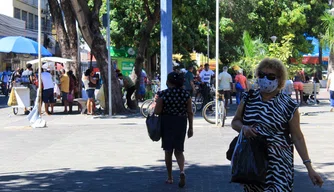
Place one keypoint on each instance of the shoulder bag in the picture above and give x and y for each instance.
(153, 124)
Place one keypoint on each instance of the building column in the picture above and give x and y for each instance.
(166, 35)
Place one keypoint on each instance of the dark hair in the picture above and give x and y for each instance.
(176, 79)
(120, 75)
(87, 72)
(70, 73)
(190, 67)
(29, 65)
(206, 65)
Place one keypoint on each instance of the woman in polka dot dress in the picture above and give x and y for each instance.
(174, 106)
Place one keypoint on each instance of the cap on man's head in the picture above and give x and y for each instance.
(225, 68)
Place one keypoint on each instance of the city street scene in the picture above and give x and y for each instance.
(162, 95)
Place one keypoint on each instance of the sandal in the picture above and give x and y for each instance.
(169, 181)
(182, 181)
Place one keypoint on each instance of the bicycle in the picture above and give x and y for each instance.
(147, 107)
(209, 111)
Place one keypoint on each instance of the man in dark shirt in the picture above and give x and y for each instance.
(189, 80)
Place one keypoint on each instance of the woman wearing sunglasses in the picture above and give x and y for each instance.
(274, 115)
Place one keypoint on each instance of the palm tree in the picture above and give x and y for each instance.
(328, 23)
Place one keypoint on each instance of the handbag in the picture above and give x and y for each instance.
(70, 97)
(249, 160)
(238, 86)
(153, 124)
(231, 148)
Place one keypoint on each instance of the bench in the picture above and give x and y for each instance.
(309, 88)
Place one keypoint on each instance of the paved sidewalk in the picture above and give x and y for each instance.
(79, 153)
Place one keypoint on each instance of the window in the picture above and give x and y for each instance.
(25, 17)
(17, 13)
(31, 21)
(43, 23)
(36, 23)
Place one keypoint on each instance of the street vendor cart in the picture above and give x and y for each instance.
(22, 95)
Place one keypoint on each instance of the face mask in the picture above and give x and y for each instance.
(267, 86)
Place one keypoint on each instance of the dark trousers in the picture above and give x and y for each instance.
(129, 93)
(205, 93)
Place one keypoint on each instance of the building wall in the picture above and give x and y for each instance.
(7, 8)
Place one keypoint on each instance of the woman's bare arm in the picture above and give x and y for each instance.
(158, 106)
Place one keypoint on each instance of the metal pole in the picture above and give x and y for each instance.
(217, 56)
(166, 38)
(208, 39)
(109, 60)
(39, 38)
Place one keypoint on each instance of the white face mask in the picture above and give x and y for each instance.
(267, 86)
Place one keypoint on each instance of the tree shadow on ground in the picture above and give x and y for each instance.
(124, 179)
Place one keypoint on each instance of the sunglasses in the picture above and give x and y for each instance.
(270, 76)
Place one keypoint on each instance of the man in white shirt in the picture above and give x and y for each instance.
(225, 84)
(47, 95)
(206, 76)
(330, 88)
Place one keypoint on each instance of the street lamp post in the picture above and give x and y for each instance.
(217, 56)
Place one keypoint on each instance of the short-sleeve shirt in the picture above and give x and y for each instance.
(143, 76)
(65, 83)
(225, 80)
(331, 78)
(174, 101)
(189, 77)
(206, 75)
(242, 80)
(47, 80)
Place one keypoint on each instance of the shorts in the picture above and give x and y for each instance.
(64, 96)
(90, 93)
(299, 86)
(142, 90)
(47, 96)
(227, 93)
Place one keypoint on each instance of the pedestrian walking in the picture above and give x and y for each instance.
(299, 86)
(330, 88)
(175, 107)
(273, 115)
(225, 84)
(241, 85)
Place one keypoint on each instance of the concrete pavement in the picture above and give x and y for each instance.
(79, 153)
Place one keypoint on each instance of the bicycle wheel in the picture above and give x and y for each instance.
(199, 101)
(209, 112)
(193, 104)
(145, 106)
(15, 110)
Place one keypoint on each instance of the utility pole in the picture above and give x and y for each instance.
(166, 36)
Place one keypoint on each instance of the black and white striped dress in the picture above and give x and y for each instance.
(271, 119)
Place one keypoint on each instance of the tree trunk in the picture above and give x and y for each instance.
(57, 19)
(152, 20)
(88, 20)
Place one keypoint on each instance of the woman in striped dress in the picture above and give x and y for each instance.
(273, 114)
